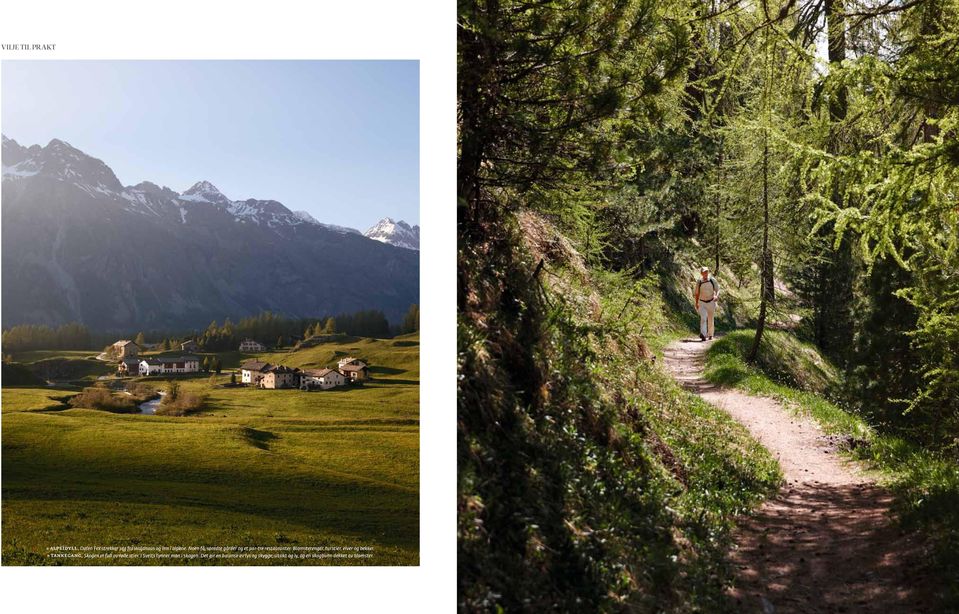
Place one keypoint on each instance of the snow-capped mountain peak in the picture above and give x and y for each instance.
(263, 212)
(80, 247)
(309, 219)
(306, 217)
(14, 153)
(203, 186)
(395, 233)
(201, 203)
(59, 161)
(204, 191)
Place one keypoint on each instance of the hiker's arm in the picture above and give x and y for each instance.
(696, 296)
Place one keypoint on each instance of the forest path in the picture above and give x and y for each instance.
(827, 542)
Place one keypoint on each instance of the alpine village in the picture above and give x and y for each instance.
(256, 373)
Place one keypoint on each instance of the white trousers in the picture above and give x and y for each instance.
(706, 313)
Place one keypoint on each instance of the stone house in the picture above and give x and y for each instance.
(126, 349)
(349, 360)
(150, 366)
(279, 376)
(129, 366)
(249, 345)
(169, 365)
(323, 379)
(354, 372)
(252, 371)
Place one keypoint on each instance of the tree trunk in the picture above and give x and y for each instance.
(474, 108)
(769, 277)
(719, 166)
(931, 108)
(836, 32)
(832, 319)
(765, 274)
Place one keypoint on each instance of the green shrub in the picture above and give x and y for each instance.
(99, 397)
(177, 403)
(141, 392)
(588, 480)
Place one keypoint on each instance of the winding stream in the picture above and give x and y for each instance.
(150, 407)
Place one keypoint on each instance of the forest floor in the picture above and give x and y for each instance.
(827, 542)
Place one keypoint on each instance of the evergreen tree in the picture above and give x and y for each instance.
(551, 104)
(411, 321)
(576, 124)
(885, 179)
(72, 336)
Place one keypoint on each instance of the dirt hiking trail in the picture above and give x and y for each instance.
(827, 542)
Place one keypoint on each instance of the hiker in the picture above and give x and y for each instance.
(707, 293)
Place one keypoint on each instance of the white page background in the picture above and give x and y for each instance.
(279, 29)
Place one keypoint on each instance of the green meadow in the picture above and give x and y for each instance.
(258, 477)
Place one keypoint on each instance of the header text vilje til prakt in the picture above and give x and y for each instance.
(29, 47)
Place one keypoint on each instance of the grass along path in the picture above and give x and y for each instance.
(826, 542)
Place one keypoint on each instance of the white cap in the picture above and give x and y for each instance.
(704, 269)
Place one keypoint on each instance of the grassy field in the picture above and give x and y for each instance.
(33, 399)
(259, 477)
(38, 355)
(64, 365)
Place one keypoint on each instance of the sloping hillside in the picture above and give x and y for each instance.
(588, 479)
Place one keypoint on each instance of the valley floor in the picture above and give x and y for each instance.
(827, 541)
(258, 477)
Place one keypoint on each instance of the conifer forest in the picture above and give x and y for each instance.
(806, 152)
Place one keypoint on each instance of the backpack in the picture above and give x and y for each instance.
(710, 280)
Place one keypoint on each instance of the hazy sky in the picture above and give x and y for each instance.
(339, 139)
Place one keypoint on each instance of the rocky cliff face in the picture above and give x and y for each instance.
(79, 246)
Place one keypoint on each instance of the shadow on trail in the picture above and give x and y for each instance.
(828, 548)
(827, 541)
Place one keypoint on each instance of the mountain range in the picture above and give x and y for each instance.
(386, 230)
(80, 246)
